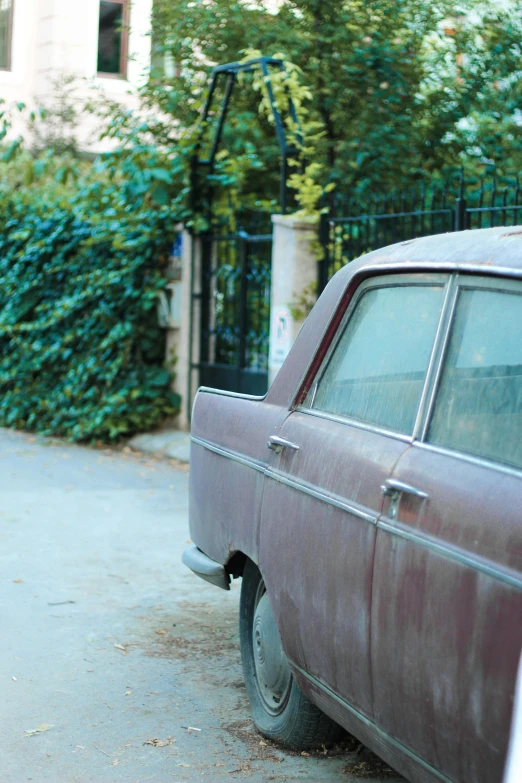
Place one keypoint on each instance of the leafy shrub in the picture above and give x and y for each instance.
(81, 354)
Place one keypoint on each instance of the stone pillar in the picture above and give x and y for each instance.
(294, 276)
(185, 327)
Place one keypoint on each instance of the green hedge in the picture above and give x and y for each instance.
(81, 354)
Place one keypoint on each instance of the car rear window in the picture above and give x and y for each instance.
(478, 407)
(377, 370)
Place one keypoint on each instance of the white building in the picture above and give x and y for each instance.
(105, 43)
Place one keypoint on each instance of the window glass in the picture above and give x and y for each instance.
(111, 37)
(376, 373)
(5, 33)
(478, 408)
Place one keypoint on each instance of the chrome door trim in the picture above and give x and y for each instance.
(374, 728)
(359, 425)
(447, 552)
(332, 500)
(307, 489)
(233, 455)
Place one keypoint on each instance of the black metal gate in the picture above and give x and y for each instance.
(235, 311)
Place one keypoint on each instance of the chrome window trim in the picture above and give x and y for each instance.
(434, 364)
(467, 282)
(356, 423)
(233, 455)
(375, 271)
(225, 393)
(440, 348)
(483, 462)
(406, 278)
(447, 552)
(332, 500)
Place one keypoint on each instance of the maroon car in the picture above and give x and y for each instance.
(379, 536)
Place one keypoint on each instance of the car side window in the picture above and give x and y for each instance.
(377, 370)
(478, 407)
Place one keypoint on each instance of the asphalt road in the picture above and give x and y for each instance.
(110, 649)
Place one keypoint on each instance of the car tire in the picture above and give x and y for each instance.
(280, 710)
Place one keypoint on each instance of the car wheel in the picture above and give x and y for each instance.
(280, 710)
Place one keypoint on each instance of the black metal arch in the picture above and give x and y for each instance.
(230, 72)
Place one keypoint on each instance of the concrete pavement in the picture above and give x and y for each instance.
(110, 649)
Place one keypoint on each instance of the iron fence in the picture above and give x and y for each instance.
(235, 311)
(351, 227)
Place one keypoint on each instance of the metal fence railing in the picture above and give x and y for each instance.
(351, 227)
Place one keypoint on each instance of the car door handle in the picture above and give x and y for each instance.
(393, 487)
(277, 444)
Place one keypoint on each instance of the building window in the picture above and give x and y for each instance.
(113, 37)
(6, 28)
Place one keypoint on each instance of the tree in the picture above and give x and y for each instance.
(402, 88)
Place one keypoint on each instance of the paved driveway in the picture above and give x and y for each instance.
(110, 649)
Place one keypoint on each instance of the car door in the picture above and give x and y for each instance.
(447, 588)
(322, 489)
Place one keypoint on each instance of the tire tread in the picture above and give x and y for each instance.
(302, 726)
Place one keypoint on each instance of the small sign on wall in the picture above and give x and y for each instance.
(281, 338)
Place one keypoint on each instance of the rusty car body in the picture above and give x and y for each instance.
(385, 516)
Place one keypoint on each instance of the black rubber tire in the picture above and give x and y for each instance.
(301, 725)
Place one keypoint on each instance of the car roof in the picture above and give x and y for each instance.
(493, 249)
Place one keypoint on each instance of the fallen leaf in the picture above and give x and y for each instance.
(264, 744)
(128, 693)
(81, 747)
(120, 647)
(90, 670)
(304, 753)
(183, 765)
(114, 763)
(161, 632)
(39, 729)
(18, 581)
(14, 679)
(157, 743)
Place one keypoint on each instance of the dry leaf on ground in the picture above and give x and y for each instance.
(39, 729)
(158, 743)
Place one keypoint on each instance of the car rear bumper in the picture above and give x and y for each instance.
(206, 568)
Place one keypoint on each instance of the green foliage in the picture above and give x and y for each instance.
(81, 354)
(399, 90)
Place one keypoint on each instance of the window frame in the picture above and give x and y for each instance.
(124, 54)
(462, 282)
(455, 281)
(8, 67)
(399, 279)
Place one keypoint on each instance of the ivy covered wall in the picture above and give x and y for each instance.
(81, 353)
